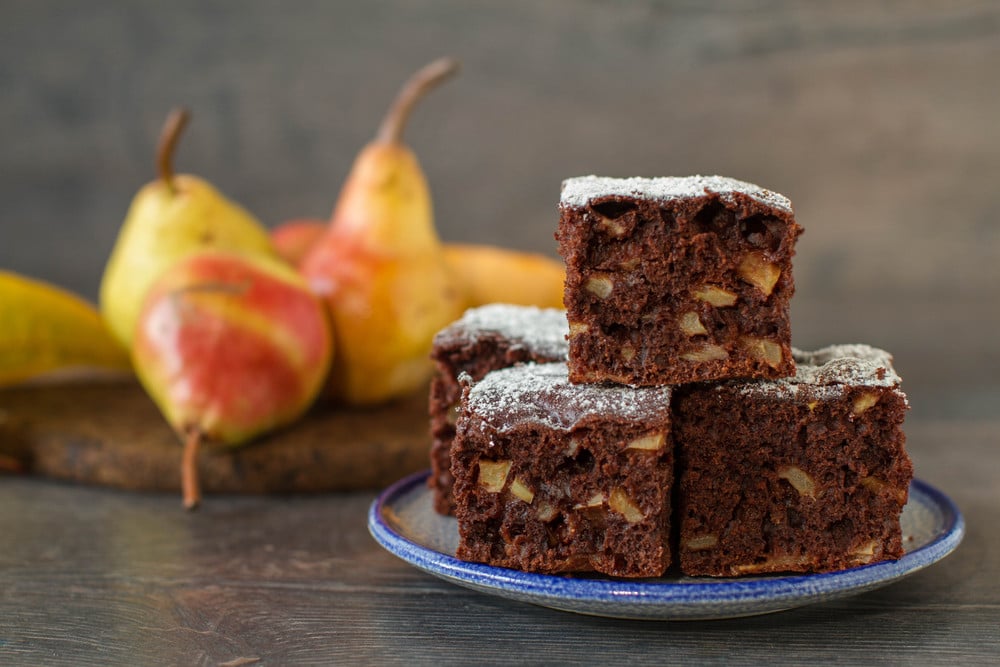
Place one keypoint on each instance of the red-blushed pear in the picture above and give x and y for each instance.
(380, 266)
(483, 273)
(293, 239)
(229, 346)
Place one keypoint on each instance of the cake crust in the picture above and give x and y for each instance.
(554, 477)
(676, 280)
(483, 339)
(804, 474)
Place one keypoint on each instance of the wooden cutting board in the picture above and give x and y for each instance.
(108, 432)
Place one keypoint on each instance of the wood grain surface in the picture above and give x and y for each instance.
(110, 433)
(92, 576)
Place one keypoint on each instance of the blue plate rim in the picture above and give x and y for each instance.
(652, 592)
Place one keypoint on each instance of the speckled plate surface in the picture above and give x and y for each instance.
(402, 520)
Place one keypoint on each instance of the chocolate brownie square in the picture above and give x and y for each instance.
(675, 280)
(804, 474)
(558, 477)
(484, 339)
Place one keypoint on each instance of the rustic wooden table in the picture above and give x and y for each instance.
(97, 576)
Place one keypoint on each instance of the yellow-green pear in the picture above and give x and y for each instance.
(170, 218)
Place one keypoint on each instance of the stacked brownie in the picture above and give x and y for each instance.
(682, 426)
(558, 477)
(674, 280)
(804, 474)
(485, 339)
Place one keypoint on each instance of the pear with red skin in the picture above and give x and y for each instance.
(380, 265)
(230, 346)
(293, 239)
(482, 273)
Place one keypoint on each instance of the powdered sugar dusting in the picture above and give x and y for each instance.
(832, 368)
(542, 331)
(847, 364)
(580, 191)
(542, 394)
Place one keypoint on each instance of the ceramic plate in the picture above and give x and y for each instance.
(403, 521)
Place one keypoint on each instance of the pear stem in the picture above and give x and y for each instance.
(190, 487)
(427, 78)
(169, 136)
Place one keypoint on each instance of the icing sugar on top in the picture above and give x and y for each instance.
(542, 394)
(580, 191)
(540, 330)
(832, 367)
(846, 364)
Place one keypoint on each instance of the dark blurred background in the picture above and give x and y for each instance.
(880, 120)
